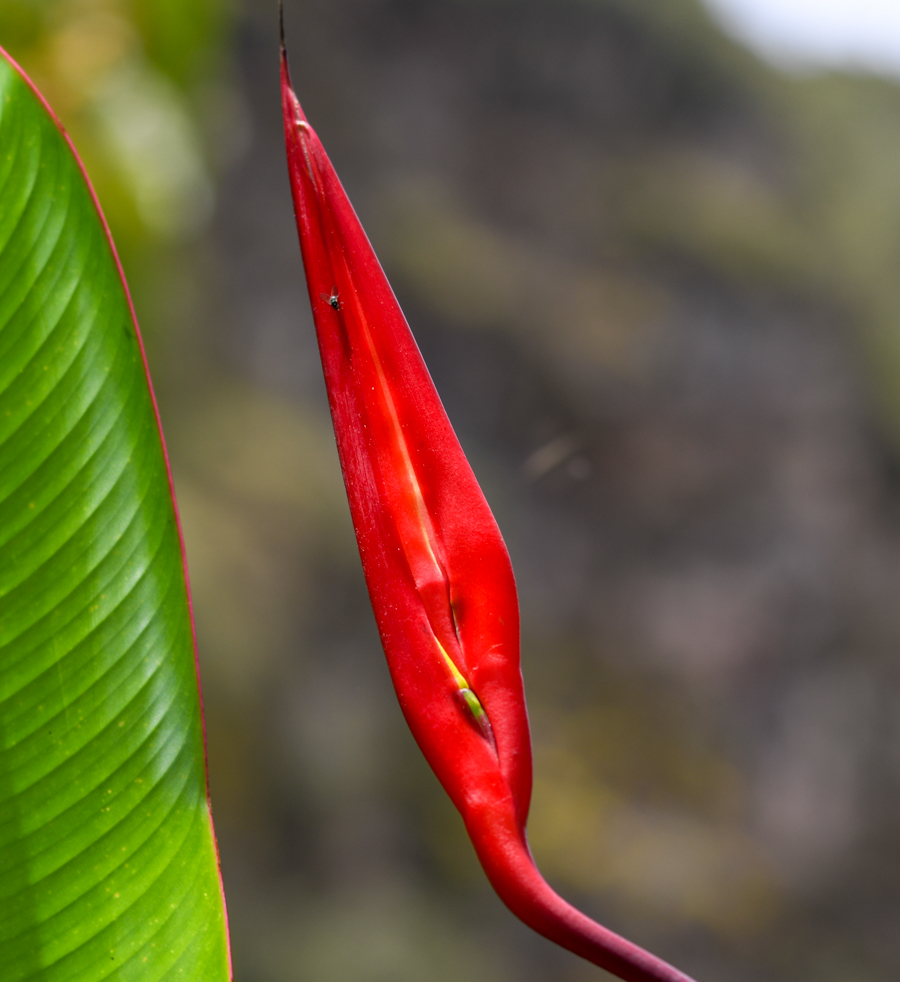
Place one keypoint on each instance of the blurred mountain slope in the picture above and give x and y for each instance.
(653, 279)
(656, 283)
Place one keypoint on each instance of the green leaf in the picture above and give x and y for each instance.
(108, 865)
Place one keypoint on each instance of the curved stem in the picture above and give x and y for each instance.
(506, 859)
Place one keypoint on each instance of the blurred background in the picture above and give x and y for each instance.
(657, 280)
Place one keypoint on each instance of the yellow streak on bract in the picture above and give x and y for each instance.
(458, 677)
(419, 531)
(471, 701)
(414, 525)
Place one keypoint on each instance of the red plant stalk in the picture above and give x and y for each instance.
(436, 567)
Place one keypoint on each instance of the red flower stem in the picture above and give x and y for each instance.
(507, 861)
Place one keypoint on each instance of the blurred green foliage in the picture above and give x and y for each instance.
(132, 83)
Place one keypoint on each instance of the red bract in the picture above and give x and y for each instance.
(437, 570)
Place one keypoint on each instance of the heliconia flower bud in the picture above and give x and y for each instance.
(437, 570)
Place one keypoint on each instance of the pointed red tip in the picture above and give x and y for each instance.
(282, 50)
(293, 112)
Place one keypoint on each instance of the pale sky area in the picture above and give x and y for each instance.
(799, 33)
